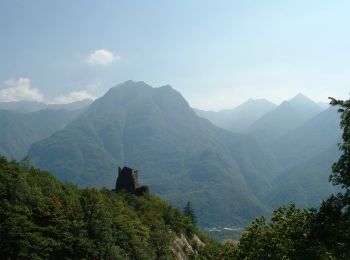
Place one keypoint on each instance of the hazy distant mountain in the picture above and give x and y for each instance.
(284, 118)
(240, 118)
(32, 106)
(306, 184)
(307, 154)
(18, 131)
(324, 105)
(314, 136)
(180, 155)
(71, 106)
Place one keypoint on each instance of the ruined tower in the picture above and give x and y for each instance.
(128, 181)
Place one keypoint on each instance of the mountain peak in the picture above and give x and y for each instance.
(132, 83)
(300, 97)
(303, 103)
(257, 101)
(166, 87)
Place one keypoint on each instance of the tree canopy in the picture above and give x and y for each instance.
(341, 169)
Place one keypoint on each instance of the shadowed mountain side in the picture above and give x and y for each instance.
(18, 131)
(182, 157)
(306, 184)
(315, 136)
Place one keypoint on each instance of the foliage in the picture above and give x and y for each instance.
(217, 251)
(285, 237)
(43, 218)
(341, 169)
(189, 212)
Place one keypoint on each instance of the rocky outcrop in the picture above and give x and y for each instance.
(183, 247)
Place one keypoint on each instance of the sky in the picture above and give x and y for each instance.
(216, 54)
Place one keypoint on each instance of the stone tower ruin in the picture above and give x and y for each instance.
(128, 181)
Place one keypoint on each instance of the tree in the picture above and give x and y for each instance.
(189, 212)
(285, 236)
(341, 168)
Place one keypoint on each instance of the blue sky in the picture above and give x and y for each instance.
(216, 53)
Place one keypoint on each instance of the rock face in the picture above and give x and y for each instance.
(128, 181)
(183, 247)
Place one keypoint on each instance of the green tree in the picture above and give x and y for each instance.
(341, 169)
(286, 236)
(189, 212)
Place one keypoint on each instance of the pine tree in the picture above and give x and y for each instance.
(189, 212)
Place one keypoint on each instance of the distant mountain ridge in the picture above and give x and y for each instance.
(18, 131)
(240, 118)
(33, 106)
(284, 118)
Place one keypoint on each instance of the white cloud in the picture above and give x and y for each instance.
(102, 57)
(73, 97)
(19, 89)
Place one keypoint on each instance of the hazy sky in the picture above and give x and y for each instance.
(216, 53)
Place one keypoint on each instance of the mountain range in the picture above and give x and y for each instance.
(267, 155)
(182, 156)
